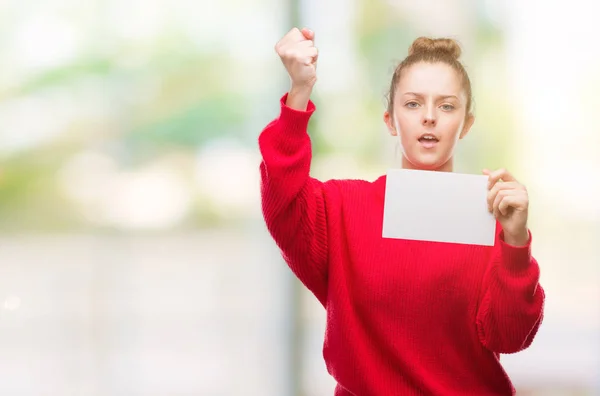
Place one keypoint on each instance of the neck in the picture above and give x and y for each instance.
(448, 166)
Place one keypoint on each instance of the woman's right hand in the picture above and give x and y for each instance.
(299, 56)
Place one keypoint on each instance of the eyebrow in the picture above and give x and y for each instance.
(438, 97)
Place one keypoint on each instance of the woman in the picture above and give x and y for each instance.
(403, 317)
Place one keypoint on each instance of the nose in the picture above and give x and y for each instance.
(429, 120)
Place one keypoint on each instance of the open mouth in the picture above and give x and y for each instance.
(428, 140)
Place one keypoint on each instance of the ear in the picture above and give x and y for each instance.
(387, 118)
(467, 126)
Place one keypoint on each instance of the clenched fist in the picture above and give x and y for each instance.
(299, 56)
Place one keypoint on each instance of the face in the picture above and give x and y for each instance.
(429, 115)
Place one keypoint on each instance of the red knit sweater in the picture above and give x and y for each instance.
(403, 317)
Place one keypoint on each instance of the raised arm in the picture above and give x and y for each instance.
(293, 203)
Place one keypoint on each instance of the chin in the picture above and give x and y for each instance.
(429, 167)
(430, 164)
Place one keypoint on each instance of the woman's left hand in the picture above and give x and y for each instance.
(509, 202)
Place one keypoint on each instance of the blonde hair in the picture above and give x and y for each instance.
(429, 50)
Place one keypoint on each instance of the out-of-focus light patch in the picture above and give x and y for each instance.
(93, 102)
(495, 11)
(91, 99)
(87, 177)
(335, 38)
(140, 93)
(227, 175)
(556, 131)
(153, 198)
(137, 19)
(262, 33)
(344, 166)
(200, 22)
(44, 41)
(570, 185)
(11, 303)
(433, 17)
(32, 120)
(156, 197)
(257, 22)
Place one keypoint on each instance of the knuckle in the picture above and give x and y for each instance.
(297, 35)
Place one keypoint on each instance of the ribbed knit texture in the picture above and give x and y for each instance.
(403, 317)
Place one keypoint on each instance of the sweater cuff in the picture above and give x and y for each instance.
(287, 133)
(515, 258)
(292, 128)
(296, 116)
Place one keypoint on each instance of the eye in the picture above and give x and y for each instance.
(447, 107)
(412, 105)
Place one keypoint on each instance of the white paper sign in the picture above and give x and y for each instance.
(437, 206)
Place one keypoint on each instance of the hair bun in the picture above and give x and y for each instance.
(440, 46)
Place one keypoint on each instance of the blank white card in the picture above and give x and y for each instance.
(438, 207)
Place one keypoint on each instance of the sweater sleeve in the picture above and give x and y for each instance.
(293, 203)
(512, 304)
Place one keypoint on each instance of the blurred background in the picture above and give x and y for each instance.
(133, 256)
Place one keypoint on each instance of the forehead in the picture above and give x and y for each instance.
(430, 78)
